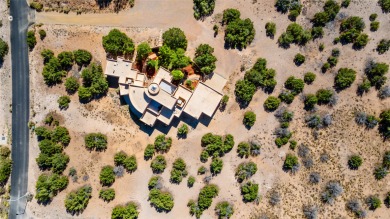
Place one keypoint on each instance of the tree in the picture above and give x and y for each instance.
(3, 49)
(31, 40)
(175, 38)
(66, 59)
(296, 85)
(82, 57)
(383, 46)
(177, 75)
(245, 171)
(77, 201)
(271, 103)
(249, 191)
(244, 91)
(204, 59)
(239, 33)
(294, 34)
(118, 43)
(52, 72)
(5, 169)
(149, 151)
(63, 102)
(376, 72)
(42, 34)
(59, 162)
(299, 59)
(47, 54)
(344, 78)
(331, 9)
(224, 210)
(355, 162)
(317, 32)
(84, 93)
(129, 211)
(71, 85)
(385, 5)
(230, 15)
(162, 143)
(205, 199)
(158, 164)
(203, 8)
(96, 141)
(173, 59)
(216, 166)
(107, 194)
(162, 201)
(48, 185)
(143, 51)
(107, 176)
(270, 29)
(361, 41)
(249, 118)
(309, 77)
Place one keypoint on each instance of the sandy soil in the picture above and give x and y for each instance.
(341, 140)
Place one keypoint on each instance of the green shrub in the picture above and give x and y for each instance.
(94, 81)
(143, 51)
(239, 33)
(380, 173)
(204, 156)
(299, 59)
(149, 152)
(387, 199)
(296, 85)
(4, 152)
(331, 9)
(332, 61)
(190, 181)
(321, 47)
(216, 166)
(224, 210)
(374, 26)
(177, 75)
(119, 158)
(37, 6)
(290, 162)
(224, 100)
(47, 54)
(66, 59)
(127, 211)
(361, 41)
(183, 130)
(335, 52)
(355, 162)
(82, 57)
(364, 86)
(385, 5)
(204, 59)
(154, 182)
(293, 144)
(376, 72)
(59, 162)
(118, 43)
(324, 96)
(249, 118)
(48, 185)
(384, 125)
(249, 191)
(172, 59)
(162, 143)
(309, 77)
(325, 67)
(158, 164)
(178, 171)
(203, 8)
(60, 135)
(162, 201)
(286, 96)
(245, 91)
(270, 29)
(130, 164)
(215, 145)
(294, 34)
(202, 170)
(243, 149)
(42, 34)
(96, 141)
(345, 3)
(77, 201)
(5, 170)
(383, 46)
(205, 199)
(373, 17)
(271, 103)
(386, 160)
(107, 176)
(84, 93)
(230, 15)
(344, 78)
(31, 40)
(71, 85)
(317, 32)
(63, 102)
(174, 38)
(373, 202)
(245, 171)
(107, 194)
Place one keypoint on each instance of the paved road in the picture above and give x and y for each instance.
(20, 107)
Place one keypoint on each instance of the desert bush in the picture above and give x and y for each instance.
(321, 47)
(204, 156)
(205, 199)
(373, 202)
(385, 5)
(384, 125)
(215, 145)
(202, 170)
(376, 72)
(308, 162)
(60, 135)
(249, 119)
(249, 191)
(386, 160)
(332, 191)
(107, 194)
(118, 43)
(66, 59)
(224, 100)
(380, 173)
(283, 135)
(314, 121)
(162, 201)
(63, 102)
(203, 8)
(71, 85)
(310, 211)
(350, 29)
(149, 151)
(317, 32)
(158, 164)
(271, 103)
(31, 40)
(296, 85)
(255, 149)
(299, 59)
(331, 8)
(107, 176)
(314, 177)
(175, 38)
(374, 26)
(355, 162)
(384, 92)
(77, 201)
(245, 171)
(335, 52)
(46, 54)
(360, 118)
(290, 162)
(332, 61)
(310, 101)
(119, 171)
(42, 34)
(42, 132)
(162, 143)
(383, 46)
(5, 167)
(94, 83)
(204, 59)
(48, 185)
(224, 210)
(364, 87)
(324, 96)
(371, 121)
(274, 198)
(82, 57)
(239, 33)
(96, 141)
(52, 72)
(182, 130)
(37, 6)
(286, 96)
(387, 200)
(344, 78)
(270, 29)
(216, 166)
(178, 171)
(154, 182)
(244, 91)
(230, 15)
(127, 211)
(59, 162)
(361, 41)
(294, 34)
(130, 164)
(309, 78)
(119, 158)
(191, 181)
(293, 144)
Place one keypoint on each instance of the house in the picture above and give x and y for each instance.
(159, 99)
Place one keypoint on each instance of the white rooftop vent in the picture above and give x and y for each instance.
(153, 88)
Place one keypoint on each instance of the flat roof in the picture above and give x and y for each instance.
(163, 98)
(149, 118)
(166, 115)
(204, 100)
(138, 98)
(162, 73)
(216, 81)
(120, 68)
(183, 93)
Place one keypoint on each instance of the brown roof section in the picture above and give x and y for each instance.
(189, 70)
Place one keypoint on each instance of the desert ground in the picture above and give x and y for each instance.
(145, 22)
